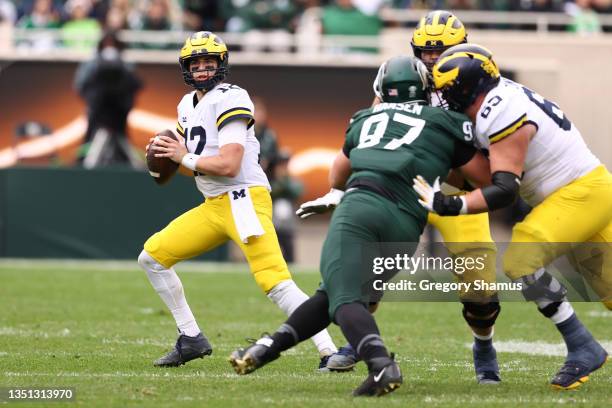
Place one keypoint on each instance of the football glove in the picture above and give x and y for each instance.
(435, 201)
(321, 205)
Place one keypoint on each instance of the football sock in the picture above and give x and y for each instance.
(289, 297)
(574, 333)
(170, 289)
(360, 329)
(483, 342)
(309, 318)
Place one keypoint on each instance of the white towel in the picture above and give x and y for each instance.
(245, 217)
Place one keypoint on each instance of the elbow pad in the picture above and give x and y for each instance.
(503, 191)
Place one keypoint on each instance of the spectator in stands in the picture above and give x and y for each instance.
(81, 31)
(343, 18)
(44, 15)
(8, 12)
(286, 191)
(461, 4)
(203, 15)
(156, 16)
(537, 5)
(116, 19)
(602, 6)
(585, 19)
(266, 23)
(109, 86)
(268, 145)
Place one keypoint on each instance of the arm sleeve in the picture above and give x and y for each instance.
(463, 154)
(349, 138)
(233, 132)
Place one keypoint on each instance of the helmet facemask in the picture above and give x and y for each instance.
(220, 73)
(437, 31)
(475, 73)
(204, 44)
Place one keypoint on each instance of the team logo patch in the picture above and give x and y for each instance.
(238, 194)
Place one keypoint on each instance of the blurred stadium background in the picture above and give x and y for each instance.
(312, 63)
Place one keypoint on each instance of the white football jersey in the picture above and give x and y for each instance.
(557, 154)
(199, 123)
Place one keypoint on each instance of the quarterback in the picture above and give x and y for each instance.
(537, 152)
(466, 236)
(384, 148)
(217, 142)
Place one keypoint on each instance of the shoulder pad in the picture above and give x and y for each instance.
(503, 111)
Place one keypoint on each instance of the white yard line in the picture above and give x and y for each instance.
(600, 313)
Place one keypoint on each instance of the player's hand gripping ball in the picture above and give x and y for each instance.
(161, 168)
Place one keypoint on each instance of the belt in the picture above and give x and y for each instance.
(369, 185)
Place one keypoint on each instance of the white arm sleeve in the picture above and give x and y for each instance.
(234, 132)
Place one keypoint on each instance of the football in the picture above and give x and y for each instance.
(161, 168)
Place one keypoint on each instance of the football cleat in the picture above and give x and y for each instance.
(323, 364)
(344, 359)
(257, 355)
(485, 364)
(579, 365)
(186, 349)
(385, 377)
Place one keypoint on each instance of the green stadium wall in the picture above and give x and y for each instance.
(98, 214)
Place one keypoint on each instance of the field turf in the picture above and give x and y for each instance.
(96, 327)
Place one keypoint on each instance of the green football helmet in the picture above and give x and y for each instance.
(402, 79)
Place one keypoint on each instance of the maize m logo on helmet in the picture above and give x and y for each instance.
(202, 44)
(463, 72)
(437, 31)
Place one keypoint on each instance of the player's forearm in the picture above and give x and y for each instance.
(475, 202)
(455, 179)
(226, 163)
(340, 171)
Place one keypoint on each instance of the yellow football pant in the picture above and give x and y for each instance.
(578, 212)
(469, 236)
(211, 224)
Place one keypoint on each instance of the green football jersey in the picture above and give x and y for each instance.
(390, 143)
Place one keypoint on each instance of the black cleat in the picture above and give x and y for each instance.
(257, 355)
(579, 365)
(186, 349)
(385, 377)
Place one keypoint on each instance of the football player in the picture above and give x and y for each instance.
(534, 151)
(466, 236)
(385, 146)
(217, 142)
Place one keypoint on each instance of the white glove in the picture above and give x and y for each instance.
(425, 191)
(321, 205)
(433, 200)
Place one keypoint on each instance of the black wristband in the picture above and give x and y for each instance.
(447, 205)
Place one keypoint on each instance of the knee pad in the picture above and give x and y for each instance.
(149, 264)
(482, 315)
(542, 288)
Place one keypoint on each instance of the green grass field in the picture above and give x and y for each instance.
(97, 327)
